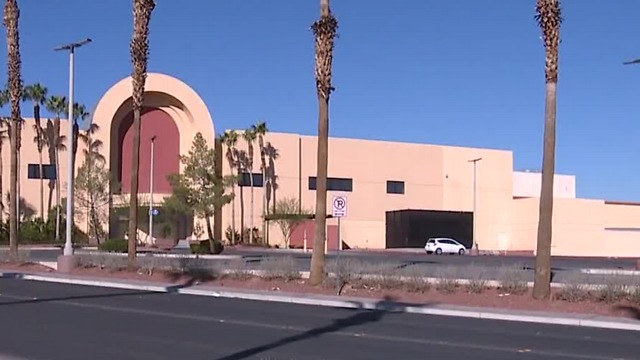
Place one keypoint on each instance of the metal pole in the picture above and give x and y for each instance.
(153, 139)
(339, 275)
(475, 201)
(68, 245)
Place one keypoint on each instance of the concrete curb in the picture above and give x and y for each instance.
(610, 272)
(161, 255)
(337, 302)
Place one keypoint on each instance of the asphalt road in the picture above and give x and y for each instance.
(51, 321)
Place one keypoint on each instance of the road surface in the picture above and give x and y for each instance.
(66, 322)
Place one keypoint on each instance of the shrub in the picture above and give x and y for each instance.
(204, 247)
(283, 268)
(513, 280)
(477, 282)
(237, 270)
(114, 245)
(573, 291)
(415, 280)
(447, 280)
(634, 295)
(613, 290)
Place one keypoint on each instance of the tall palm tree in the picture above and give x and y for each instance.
(37, 94)
(11, 20)
(260, 129)
(56, 142)
(549, 18)
(142, 10)
(325, 33)
(249, 136)
(230, 140)
(241, 168)
(4, 134)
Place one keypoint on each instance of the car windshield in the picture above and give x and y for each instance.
(431, 241)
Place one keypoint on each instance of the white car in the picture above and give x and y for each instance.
(440, 246)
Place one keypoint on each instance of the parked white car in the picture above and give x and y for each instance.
(440, 246)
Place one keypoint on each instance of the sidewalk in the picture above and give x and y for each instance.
(569, 319)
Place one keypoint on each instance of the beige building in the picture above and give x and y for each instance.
(398, 194)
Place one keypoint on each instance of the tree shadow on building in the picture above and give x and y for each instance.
(271, 178)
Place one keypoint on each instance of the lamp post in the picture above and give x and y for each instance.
(68, 246)
(153, 140)
(474, 245)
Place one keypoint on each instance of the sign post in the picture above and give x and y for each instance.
(339, 210)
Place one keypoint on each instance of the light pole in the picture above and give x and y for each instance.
(153, 141)
(68, 246)
(474, 245)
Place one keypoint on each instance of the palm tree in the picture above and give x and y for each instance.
(325, 33)
(549, 18)
(80, 113)
(260, 129)
(142, 10)
(250, 137)
(230, 140)
(4, 134)
(37, 94)
(56, 105)
(241, 168)
(92, 147)
(11, 19)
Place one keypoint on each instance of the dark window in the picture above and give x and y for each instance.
(333, 184)
(245, 180)
(395, 187)
(49, 171)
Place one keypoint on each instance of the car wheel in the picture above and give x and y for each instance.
(461, 252)
(438, 251)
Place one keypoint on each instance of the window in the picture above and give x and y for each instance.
(395, 187)
(333, 184)
(245, 180)
(49, 171)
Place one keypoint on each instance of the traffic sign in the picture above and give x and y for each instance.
(155, 212)
(339, 206)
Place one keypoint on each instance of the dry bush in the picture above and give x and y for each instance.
(237, 270)
(573, 291)
(634, 295)
(513, 280)
(415, 280)
(615, 288)
(24, 255)
(477, 282)
(280, 268)
(447, 280)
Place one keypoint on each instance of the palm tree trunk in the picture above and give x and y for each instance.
(264, 203)
(542, 284)
(251, 239)
(242, 214)
(325, 32)
(133, 200)
(41, 168)
(1, 189)
(317, 257)
(57, 194)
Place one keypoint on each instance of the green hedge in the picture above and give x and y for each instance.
(38, 231)
(203, 247)
(114, 245)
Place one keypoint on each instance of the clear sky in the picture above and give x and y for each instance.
(456, 72)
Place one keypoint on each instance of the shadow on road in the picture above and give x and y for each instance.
(78, 297)
(363, 316)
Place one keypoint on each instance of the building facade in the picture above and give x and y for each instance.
(397, 193)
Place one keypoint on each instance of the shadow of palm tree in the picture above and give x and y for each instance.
(190, 277)
(630, 310)
(363, 316)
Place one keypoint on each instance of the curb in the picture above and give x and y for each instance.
(609, 272)
(161, 255)
(327, 301)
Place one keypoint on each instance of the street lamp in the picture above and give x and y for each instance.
(153, 140)
(68, 246)
(474, 245)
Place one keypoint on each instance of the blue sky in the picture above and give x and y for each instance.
(457, 72)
